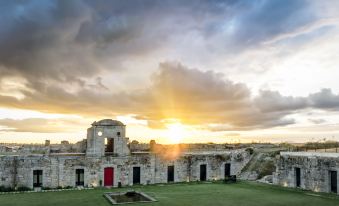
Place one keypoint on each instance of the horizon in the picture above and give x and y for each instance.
(171, 71)
(320, 141)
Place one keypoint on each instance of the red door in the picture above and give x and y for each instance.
(108, 176)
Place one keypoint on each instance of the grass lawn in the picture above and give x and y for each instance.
(211, 194)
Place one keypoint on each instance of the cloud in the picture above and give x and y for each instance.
(325, 99)
(72, 41)
(36, 39)
(55, 57)
(176, 92)
(317, 121)
(261, 21)
(273, 101)
(75, 43)
(313, 26)
(40, 125)
(205, 98)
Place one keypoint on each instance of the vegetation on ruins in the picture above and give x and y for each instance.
(312, 146)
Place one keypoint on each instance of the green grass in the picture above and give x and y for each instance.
(211, 194)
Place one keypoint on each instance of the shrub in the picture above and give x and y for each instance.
(23, 188)
(250, 150)
(267, 168)
(223, 157)
(274, 154)
(6, 189)
(238, 157)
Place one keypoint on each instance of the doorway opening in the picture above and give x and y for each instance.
(37, 178)
(170, 173)
(79, 177)
(136, 175)
(333, 181)
(227, 169)
(108, 176)
(203, 172)
(297, 177)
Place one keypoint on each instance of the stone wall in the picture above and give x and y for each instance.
(314, 170)
(96, 136)
(59, 170)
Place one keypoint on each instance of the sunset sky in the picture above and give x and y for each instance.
(173, 71)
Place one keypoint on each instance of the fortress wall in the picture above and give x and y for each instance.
(59, 171)
(314, 170)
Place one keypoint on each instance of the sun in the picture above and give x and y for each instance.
(175, 132)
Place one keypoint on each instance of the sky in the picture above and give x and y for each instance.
(173, 71)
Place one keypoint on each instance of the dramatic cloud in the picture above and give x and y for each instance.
(197, 97)
(177, 92)
(265, 20)
(70, 41)
(95, 59)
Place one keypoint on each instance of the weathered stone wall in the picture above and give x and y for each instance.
(17, 171)
(138, 147)
(314, 170)
(59, 170)
(96, 140)
(180, 169)
(6, 171)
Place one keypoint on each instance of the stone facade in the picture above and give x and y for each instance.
(106, 130)
(311, 171)
(59, 170)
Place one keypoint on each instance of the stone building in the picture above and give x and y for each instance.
(308, 170)
(108, 161)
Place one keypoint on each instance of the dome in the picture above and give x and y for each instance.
(108, 122)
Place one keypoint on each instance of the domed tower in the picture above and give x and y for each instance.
(107, 138)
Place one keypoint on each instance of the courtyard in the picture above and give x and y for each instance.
(241, 193)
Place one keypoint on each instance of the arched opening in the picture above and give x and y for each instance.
(109, 146)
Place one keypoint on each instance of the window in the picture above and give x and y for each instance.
(37, 178)
(118, 133)
(79, 177)
(109, 146)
